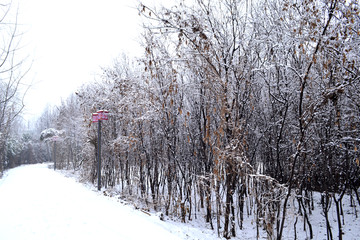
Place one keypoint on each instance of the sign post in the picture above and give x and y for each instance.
(52, 135)
(98, 117)
(55, 139)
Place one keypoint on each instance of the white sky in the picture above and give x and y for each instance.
(69, 40)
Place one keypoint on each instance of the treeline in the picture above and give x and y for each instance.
(14, 145)
(235, 106)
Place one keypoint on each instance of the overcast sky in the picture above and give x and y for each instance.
(69, 40)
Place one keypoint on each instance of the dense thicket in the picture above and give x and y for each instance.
(234, 106)
(12, 90)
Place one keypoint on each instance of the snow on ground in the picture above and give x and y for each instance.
(39, 203)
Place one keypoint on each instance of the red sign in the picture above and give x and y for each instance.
(100, 115)
(103, 115)
(95, 117)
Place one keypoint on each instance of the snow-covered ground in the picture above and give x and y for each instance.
(39, 203)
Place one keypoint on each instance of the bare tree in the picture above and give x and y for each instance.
(11, 76)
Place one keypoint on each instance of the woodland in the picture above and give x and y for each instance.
(236, 108)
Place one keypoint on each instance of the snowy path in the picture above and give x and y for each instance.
(38, 203)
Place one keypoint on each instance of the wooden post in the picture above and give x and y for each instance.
(99, 156)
